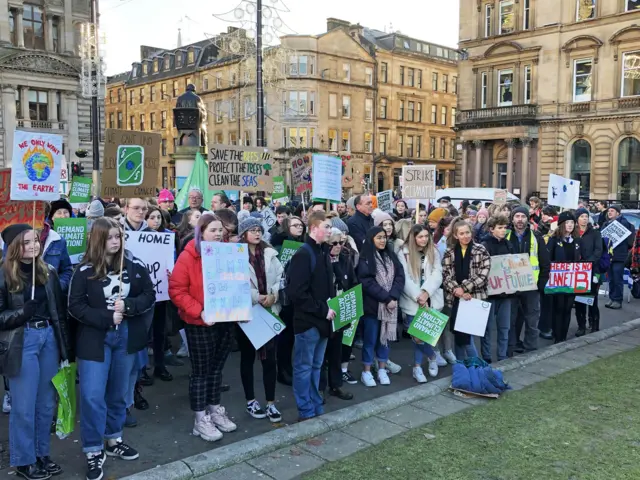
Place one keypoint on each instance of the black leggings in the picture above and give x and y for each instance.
(247, 359)
(562, 305)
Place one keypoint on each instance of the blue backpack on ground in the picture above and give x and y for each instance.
(476, 376)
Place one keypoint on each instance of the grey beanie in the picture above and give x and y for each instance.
(351, 203)
(256, 215)
(243, 215)
(340, 225)
(95, 210)
(248, 224)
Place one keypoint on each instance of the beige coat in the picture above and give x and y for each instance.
(273, 270)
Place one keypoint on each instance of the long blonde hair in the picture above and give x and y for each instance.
(96, 246)
(15, 278)
(458, 222)
(415, 252)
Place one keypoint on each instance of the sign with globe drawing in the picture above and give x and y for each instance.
(131, 163)
(36, 166)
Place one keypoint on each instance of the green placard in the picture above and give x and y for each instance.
(289, 247)
(279, 188)
(80, 190)
(427, 325)
(350, 333)
(74, 231)
(348, 307)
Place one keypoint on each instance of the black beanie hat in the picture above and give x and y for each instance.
(10, 233)
(521, 209)
(58, 205)
(564, 216)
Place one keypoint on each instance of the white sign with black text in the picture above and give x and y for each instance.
(157, 251)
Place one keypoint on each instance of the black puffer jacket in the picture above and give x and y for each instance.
(591, 247)
(12, 322)
(498, 247)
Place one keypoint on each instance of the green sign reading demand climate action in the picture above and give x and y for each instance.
(350, 333)
(348, 307)
(427, 325)
(289, 247)
(74, 231)
(80, 191)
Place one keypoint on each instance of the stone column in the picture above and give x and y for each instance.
(5, 35)
(478, 167)
(61, 34)
(48, 32)
(9, 119)
(19, 29)
(24, 101)
(447, 178)
(524, 185)
(464, 166)
(68, 42)
(53, 111)
(511, 143)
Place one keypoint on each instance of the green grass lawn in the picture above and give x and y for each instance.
(581, 425)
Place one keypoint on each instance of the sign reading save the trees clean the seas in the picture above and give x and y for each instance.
(240, 168)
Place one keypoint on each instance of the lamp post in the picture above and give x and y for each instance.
(259, 86)
(95, 120)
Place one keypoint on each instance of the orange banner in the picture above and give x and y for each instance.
(12, 211)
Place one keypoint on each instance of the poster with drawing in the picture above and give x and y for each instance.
(563, 192)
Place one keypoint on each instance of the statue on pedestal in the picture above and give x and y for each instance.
(190, 118)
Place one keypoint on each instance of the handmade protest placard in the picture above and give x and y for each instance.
(326, 177)
(472, 317)
(269, 219)
(74, 231)
(616, 232)
(349, 334)
(279, 190)
(563, 192)
(156, 250)
(510, 274)
(289, 247)
(569, 278)
(263, 326)
(131, 163)
(419, 181)
(240, 168)
(36, 166)
(80, 192)
(428, 325)
(385, 201)
(12, 212)
(585, 300)
(226, 282)
(500, 197)
(348, 307)
(301, 172)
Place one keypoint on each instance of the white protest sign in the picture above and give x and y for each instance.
(616, 232)
(64, 178)
(472, 317)
(385, 201)
(262, 327)
(36, 166)
(326, 177)
(418, 182)
(586, 300)
(156, 250)
(269, 219)
(563, 192)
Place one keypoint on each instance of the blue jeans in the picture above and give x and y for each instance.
(420, 350)
(466, 351)
(139, 364)
(308, 355)
(371, 341)
(500, 314)
(33, 399)
(616, 281)
(103, 391)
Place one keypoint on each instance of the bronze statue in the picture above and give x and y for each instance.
(190, 118)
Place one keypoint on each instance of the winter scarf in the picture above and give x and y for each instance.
(385, 273)
(257, 262)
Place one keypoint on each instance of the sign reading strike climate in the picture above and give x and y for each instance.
(569, 278)
(240, 168)
(36, 166)
(419, 182)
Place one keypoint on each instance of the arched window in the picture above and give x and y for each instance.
(581, 166)
(629, 169)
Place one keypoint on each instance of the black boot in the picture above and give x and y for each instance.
(595, 325)
(48, 465)
(145, 379)
(581, 332)
(341, 394)
(138, 400)
(32, 472)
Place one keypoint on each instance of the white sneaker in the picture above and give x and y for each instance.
(440, 359)
(205, 429)
(418, 374)
(450, 357)
(150, 351)
(393, 367)
(433, 368)
(367, 379)
(183, 352)
(383, 376)
(221, 420)
(6, 403)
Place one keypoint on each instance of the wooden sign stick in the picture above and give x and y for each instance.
(121, 266)
(417, 210)
(33, 260)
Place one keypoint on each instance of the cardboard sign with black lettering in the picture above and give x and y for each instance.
(240, 168)
(131, 163)
(156, 250)
(419, 182)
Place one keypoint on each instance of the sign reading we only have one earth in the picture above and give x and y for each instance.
(569, 278)
(240, 168)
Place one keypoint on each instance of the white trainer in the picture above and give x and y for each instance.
(450, 357)
(418, 374)
(367, 379)
(221, 420)
(383, 377)
(183, 352)
(393, 368)
(6, 403)
(440, 359)
(433, 368)
(205, 429)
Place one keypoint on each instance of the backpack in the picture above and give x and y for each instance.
(285, 280)
(607, 254)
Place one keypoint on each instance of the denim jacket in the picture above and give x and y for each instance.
(55, 254)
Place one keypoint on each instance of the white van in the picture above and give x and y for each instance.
(485, 195)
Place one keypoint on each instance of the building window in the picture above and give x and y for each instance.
(401, 75)
(167, 63)
(232, 109)
(453, 116)
(247, 138)
(232, 78)
(293, 65)
(111, 99)
(452, 148)
(152, 120)
(112, 120)
(55, 33)
(218, 81)
(581, 165)
(312, 103)
(434, 114)
(383, 72)
(163, 119)
(629, 169)
(631, 74)
(368, 75)
(383, 143)
(333, 105)
(483, 91)
(507, 17)
(527, 84)
(346, 72)
(312, 138)
(401, 112)
(445, 83)
(218, 111)
(368, 142)
(333, 140)
(432, 147)
(419, 112)
(164, 147)
(152, 93)
(454, 84)
(383, 107)
(141, 95)
(411, 74)
(131, 97)
(409, 145)
(38, 104)
(142, 122)
(488, 13)
(302, 67)
(443, 115)
(419, 80)
(233, 138)
(178, 60)
(368, 109)
(400, 145)
(32, 27)
(505, 82)
(419, 146)
(411, 107)
(434, 81)
(247, 107)
(155, 66)
(220, 139)
(119, 95)
(582, 80)
(163, 91)
(346, 106)
(176, 87)
(132, 122)
(145, 68)
(443, 143)
(119, 120)
(191, 57)
(346, 141)
(631, 5)
(205, 84)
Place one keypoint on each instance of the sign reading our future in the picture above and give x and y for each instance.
(419, 182)
(131, 163)
(240, 168)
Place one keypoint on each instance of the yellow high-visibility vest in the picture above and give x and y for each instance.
(533, 254)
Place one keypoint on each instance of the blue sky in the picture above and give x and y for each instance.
(127, 24)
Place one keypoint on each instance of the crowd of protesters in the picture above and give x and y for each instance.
(103, 314)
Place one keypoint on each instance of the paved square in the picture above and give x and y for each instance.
(409, 416)
(242, 471)
(442, 405)
(374, 430)
(333, 445)
(287, 463)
